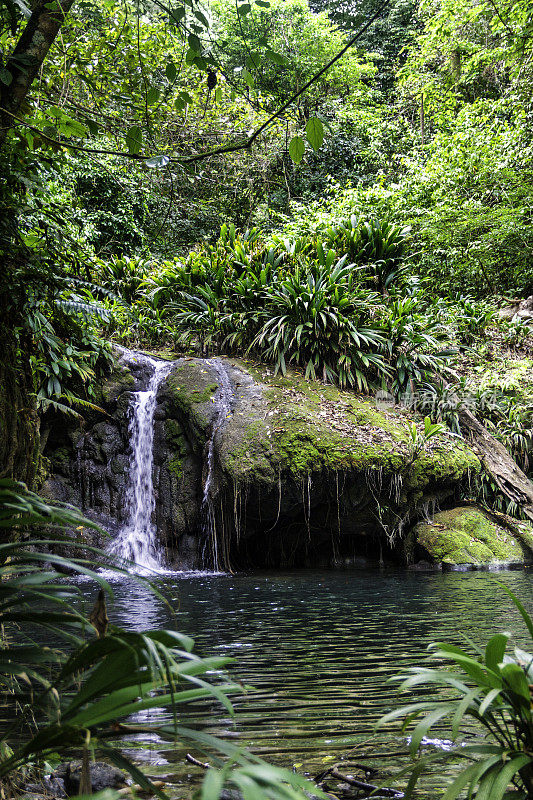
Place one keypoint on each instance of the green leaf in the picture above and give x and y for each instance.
(469, 776)
(152, 95)
(314, 130)
(253, 60)
(176, 15)
(297, 149)
(495, 650)
(134, 139)
(487, 702)
(5, 76)
(515, 677)
(171, 71)
(194, 43)
(243, 9)
(277, 58)
(425, 725)
(212, 784)
(201, 18)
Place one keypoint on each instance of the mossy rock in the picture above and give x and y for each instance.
(467, 535)
(120, 380)
(290, 425)
(189, 391)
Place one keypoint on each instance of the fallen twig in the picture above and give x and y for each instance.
(193, 760)
(367, 787)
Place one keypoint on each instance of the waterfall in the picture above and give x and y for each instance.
(223, 400)
(136, 541)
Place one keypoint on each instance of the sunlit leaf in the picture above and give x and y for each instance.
(297, 149)
(314, 131)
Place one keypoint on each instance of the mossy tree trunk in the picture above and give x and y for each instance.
(19, 424)
(508, 476)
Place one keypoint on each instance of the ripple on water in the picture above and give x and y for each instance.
(319, 648)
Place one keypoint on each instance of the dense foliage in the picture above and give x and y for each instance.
(490, 687)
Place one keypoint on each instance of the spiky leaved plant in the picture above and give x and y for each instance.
(79, 692)
(491, 687)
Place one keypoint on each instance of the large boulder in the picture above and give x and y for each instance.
(469, 537)
(298, 472)
(304, 473)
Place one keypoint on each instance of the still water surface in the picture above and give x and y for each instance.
(318, 647)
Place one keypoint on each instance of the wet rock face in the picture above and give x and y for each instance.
(90, 464)
(89, 461)
(302, 474)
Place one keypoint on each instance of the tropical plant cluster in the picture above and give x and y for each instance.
(489, 687)
(81, 690)
(336, 304)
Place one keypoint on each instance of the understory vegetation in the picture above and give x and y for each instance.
(80, 692)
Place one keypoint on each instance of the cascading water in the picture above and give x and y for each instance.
(223, 399)
(136, 541)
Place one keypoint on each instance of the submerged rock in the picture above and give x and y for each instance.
(103, 776)
(468, 537)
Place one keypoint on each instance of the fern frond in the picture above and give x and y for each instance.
(44, 403)
(85, 309)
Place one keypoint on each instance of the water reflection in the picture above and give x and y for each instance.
(319, 647)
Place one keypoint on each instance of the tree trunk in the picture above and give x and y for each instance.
(27, 58)
(505, 471)
(19, 424)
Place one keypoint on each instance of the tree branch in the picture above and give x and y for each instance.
(7, 112)
(27, 57)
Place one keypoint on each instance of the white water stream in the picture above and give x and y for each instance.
(222, 400)
(136, 541)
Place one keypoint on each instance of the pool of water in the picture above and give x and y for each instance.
(319, 648)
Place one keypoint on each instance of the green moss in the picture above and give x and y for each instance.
(249, 457)
(175, 436)
(202, 396)
(443, 461)
(191, 384)
(120, 380)
(467, 535)
(176, 467)
(60, 458)
(309, 427)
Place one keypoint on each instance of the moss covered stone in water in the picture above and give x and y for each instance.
(467, 535)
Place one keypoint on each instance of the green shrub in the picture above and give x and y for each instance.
(413, 342)
(493, 689)
(317, 321)
(293, 301)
